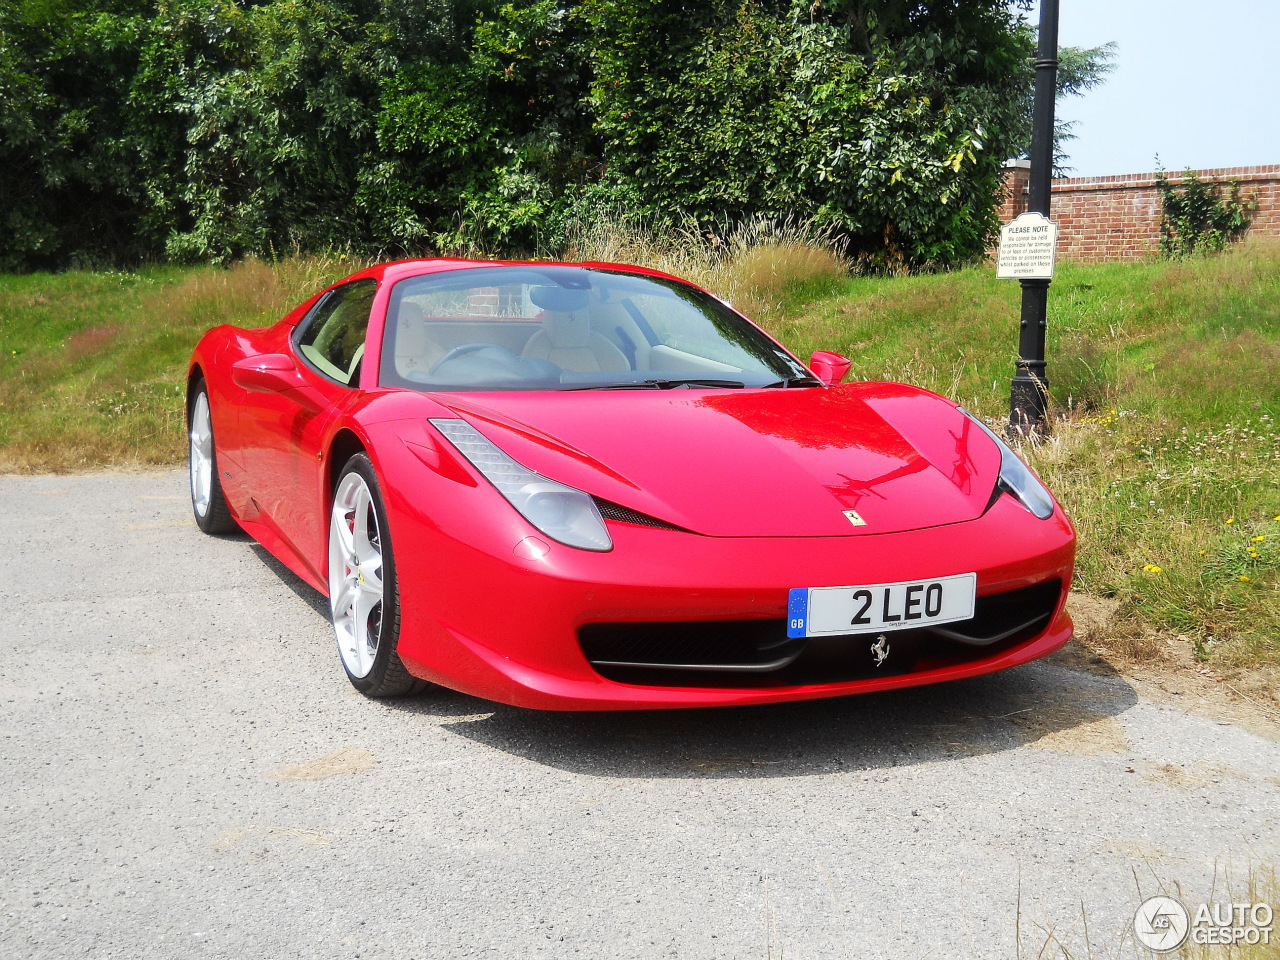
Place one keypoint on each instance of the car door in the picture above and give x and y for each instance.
(283, 431)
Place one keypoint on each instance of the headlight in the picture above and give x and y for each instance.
(1016, 477)
(561, 512)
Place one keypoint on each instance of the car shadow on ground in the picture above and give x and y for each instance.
(1062, 708)
(308, 594)
(1070, 703)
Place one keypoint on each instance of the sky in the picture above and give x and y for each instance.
(1194, 82)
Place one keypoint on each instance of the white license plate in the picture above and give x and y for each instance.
(878, 607)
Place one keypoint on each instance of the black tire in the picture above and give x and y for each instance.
(387, 677)
(212, 514)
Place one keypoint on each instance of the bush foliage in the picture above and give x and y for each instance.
(1197, 217)
(204, 130)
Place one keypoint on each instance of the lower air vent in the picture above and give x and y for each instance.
(746, 646)
(756, 653)
(999, 616)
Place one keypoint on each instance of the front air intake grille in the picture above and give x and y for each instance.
(748, 646)
(758, 653)
(999, 616)
(616, 511)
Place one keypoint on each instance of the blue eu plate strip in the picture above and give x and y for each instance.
(797, 612)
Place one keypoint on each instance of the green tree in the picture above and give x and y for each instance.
(485, 147)
(390, 127)
(207, 129)
(65, 190)
(888, 120)
(247, 120)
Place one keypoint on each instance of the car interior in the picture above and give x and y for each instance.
(332, 337)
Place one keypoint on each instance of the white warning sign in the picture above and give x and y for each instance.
(1027, 248)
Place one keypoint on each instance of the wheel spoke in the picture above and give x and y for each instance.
(365, 529)
(342, 530)
(343, 598)
(366, 641)
(200, 433)
(371, 570)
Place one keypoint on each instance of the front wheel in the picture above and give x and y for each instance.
(364, 600)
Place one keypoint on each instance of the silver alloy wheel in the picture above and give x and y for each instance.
(355, 575)
(201, 460)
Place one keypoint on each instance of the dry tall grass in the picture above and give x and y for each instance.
(252, 288)
(759, 266)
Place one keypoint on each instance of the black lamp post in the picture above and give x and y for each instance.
(1030, 388)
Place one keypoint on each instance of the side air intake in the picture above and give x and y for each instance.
(616, 511)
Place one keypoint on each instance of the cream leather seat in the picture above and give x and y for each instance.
(416, 351)
(567, 340)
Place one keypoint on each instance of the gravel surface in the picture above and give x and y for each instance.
(188, 774)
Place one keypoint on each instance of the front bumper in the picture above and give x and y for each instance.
(501, 625)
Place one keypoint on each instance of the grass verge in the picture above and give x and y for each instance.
(92, 365)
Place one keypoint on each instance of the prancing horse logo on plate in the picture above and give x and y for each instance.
(855, 518)
(880, 650)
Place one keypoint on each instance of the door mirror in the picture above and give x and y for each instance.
(268, 373)
(276, 373)
(829, 367)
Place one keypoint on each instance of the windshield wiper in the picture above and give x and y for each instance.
(663, 384)
(795, 382)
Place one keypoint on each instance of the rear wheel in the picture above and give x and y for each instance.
(207, 500)
(363, 594)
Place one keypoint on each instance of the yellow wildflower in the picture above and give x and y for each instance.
(1243, 578)
(1232, 520)
(1258, 539)
(1152, 568)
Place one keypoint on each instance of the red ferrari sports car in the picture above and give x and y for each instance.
(591, 486)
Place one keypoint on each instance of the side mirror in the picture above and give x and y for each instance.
(829, 367)
(276, 373)
(268, 373)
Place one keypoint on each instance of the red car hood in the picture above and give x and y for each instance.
(754, 463)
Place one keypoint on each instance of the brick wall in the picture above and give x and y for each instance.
(484, 302)
(1118, 218)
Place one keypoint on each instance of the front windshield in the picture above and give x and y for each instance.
(563, 328)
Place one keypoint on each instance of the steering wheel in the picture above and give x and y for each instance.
(465, 348)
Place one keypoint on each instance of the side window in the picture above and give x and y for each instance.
(332, 339)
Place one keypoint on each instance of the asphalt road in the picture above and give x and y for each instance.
(187, 774)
